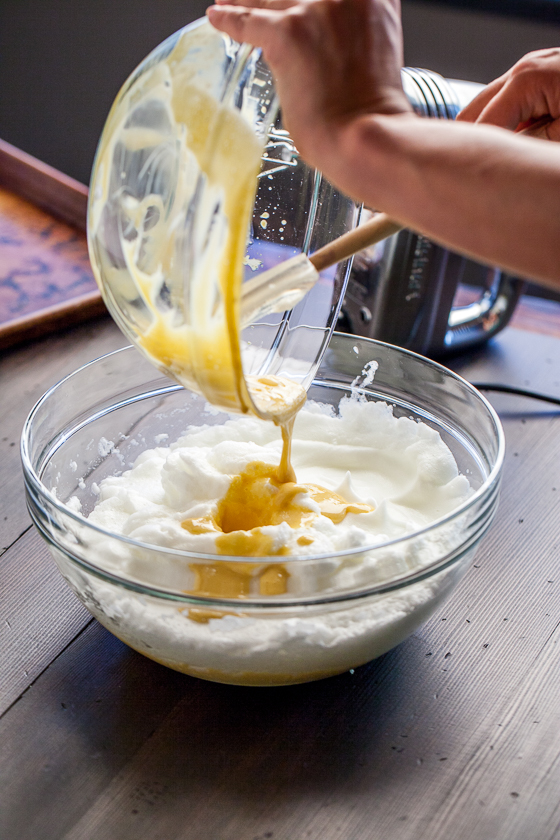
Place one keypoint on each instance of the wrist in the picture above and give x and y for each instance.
(369, 157)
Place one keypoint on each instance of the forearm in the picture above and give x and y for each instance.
(478, 189)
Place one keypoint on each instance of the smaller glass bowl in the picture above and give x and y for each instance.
(97, 421)
(194, 170)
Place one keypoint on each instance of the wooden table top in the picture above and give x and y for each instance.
(455, 733)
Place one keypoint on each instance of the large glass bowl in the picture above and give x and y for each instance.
(97, 421)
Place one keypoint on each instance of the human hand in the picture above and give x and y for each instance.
(526, 98)
(333, 60)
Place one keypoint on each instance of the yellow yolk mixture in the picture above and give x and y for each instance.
(196, 339)
(257, 498)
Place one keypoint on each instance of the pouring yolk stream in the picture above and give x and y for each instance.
(205, 352)
(197, 338)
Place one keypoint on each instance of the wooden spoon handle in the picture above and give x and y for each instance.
(378, 228)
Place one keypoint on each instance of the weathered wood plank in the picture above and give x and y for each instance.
(71, 733)
(25, 374)
(39, 615)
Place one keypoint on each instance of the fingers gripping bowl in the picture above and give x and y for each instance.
(285, 619)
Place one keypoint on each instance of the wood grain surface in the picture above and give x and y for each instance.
(455, 733)
(32, 586)
(25, 374)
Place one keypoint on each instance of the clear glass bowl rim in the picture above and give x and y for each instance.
(37, 490)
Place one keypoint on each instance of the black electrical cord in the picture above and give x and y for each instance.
(520, 392)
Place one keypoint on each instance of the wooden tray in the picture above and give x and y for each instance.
(46, 281)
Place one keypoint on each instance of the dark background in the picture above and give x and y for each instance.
(63, 61)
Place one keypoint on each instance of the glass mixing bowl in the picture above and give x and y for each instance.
(97, 421)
